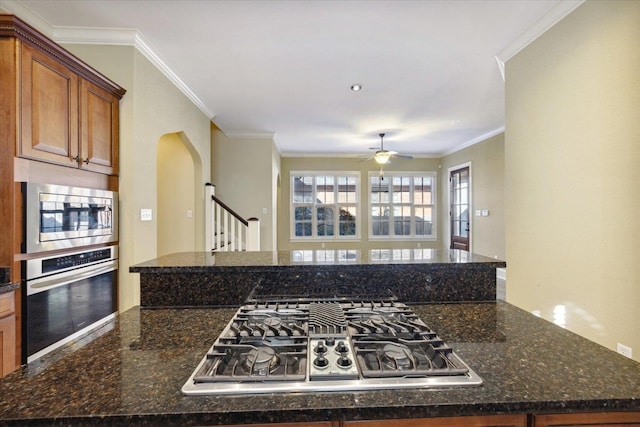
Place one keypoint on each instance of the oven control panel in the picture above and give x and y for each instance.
(75, 260)
(332, 357)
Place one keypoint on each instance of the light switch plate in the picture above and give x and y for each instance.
(146, 214)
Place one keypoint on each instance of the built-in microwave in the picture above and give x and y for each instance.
(60, 217)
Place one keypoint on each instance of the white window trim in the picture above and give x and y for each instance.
(335, 237)
(434, 224)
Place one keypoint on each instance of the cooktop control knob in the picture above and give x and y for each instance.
(344, 361)
(320, 348)
(321, 362)
(330, 341)
(341, 347)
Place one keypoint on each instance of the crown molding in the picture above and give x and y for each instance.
(249, 135)
(105, 36)
(474, 141)
(552, 17)
(26, 14)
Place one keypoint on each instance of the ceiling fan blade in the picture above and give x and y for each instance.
(401, 156)
(365, 159)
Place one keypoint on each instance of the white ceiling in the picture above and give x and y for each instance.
(430, 70)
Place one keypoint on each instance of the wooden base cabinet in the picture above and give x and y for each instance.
(478, 421)
(600, 419)
(7, 333)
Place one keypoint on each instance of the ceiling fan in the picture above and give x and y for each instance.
(382, 156)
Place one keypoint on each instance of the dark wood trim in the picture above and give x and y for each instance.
(231, 211)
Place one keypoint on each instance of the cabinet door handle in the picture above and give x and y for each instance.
(76, 159)
(86, 161)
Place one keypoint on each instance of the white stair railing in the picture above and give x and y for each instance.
(225, 229)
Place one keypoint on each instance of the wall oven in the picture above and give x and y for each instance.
(66, 296)
(60, 217)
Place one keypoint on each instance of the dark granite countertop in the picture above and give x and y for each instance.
(198, 261)
(5, 284)
(132, 374)
(8, 287)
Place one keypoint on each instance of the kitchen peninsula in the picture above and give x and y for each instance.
(227, 278)
(533, 371)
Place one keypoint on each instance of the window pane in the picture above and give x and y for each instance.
(325, 221)
(324, 189)
(347, 221)
(402, 220)
(303, 189)
(379, 190)
(302, 255)
(303, 229)
(422, 190)
(423, 221)
(303, 213)
(401, 189)
(379, 221)
(303, 221)
(325, 256)
(347, 189)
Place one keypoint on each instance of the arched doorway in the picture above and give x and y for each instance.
(179, 177)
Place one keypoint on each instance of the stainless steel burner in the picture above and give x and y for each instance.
(397, 356)
(262, 361)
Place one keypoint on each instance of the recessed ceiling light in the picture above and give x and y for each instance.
(356, 87)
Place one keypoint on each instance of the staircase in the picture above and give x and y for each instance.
(226, 230)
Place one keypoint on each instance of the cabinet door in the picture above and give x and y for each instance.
(49, 109)
(99, 129)
(7, 333)
(601, 419)
(518, 420)
(7, 345)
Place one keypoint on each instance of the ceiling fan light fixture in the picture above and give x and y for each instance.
(382, 157)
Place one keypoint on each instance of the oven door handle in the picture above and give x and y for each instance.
(54, 281)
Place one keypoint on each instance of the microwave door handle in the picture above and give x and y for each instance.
(51, 282)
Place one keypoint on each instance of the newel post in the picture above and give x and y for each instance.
(253, 234)
(209, 191)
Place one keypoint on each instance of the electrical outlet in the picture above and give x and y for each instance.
(624, 350)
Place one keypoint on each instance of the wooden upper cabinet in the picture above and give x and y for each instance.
(99, 126)
(68, 112)
(49, 109)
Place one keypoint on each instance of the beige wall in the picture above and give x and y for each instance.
(244, 172)
(486, 161)
(572, 152)
(151, 108)
(351, 165)
(175, 173)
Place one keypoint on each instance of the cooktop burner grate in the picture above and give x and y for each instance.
(342, 345)
(326, 319)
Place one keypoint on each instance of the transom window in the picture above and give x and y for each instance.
(402, 205)
(325, 205)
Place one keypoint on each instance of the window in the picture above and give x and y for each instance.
(402, 205)
(324, 256)
(324, 205)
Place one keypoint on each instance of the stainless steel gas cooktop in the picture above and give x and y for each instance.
(327, 346)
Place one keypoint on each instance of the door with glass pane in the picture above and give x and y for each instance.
(460, 188)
